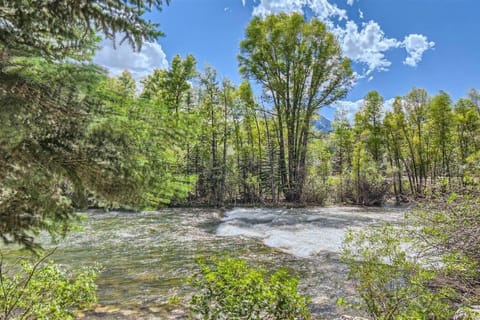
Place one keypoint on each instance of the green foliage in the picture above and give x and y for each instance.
(230, 289)
(368, 125)
(441, 125)
(450, 225)
(468, 124)
(370, 185)
(44, 290)
(171, 86)
(301, 68)
(390, 279)
(467, 313)
(342, 144)
(42, 145)
(59, 29)
(149, 150)
(53, 154)
(318, 184)
(418, 270)
(367, 170)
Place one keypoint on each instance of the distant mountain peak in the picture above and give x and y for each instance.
(323, 124)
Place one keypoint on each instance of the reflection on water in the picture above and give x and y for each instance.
(148, 256)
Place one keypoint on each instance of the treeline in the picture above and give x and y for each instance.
(232, 148)
(423, 143)
(228, 141)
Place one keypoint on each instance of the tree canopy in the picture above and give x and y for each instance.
(301, 68)
(64, 139)
(60, 28)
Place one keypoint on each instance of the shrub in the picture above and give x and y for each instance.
(391, 281)
(448, 227)
(423, 268)
(230, 289)
(43, 290)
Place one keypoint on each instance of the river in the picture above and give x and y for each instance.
(147, 257)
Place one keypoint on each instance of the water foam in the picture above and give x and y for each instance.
(300, 232)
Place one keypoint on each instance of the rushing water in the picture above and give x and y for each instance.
(147, 257)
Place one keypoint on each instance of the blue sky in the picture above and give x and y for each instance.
(395, 44)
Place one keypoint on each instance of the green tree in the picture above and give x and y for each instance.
(415, 108)
(369, 122)
(301, 68)
(43, 133)
(150, 152)
(56, 148)
(468, 123)
(126, 84)
(394, 123)
(60, 29)
(318, 184)
(172, 86)
(474, 96)
(211, 114)
(441, 126)
(343, 146)
(368, 153)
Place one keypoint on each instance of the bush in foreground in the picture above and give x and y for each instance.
(230, 289)
(422, 269)
(43, 290)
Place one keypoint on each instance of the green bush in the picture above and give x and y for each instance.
(423, 268)
(392, 279)
(230, 289)
(43, 290)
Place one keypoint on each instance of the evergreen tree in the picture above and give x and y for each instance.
(58, 151)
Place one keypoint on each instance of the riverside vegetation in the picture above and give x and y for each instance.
(72, 137)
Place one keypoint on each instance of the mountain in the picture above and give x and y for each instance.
(323, 124)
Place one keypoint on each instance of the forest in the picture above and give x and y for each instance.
(74, 138)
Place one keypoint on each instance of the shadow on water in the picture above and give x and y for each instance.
(147, 257)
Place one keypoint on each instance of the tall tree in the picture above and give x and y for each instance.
(394, 122)
(415, 105)
(172, 85)
(301, 68)
(369, 121)
(468, 124)
(55, 147)
(441, 121)
(343, 146)
(126, 85)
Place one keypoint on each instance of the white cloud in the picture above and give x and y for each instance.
(123, 57)
(416, 45)
(388, 104)
(347, 108)
(360, 14)
(323, 9)
(366, 45)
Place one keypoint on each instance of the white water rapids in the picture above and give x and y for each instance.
(302, 232)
